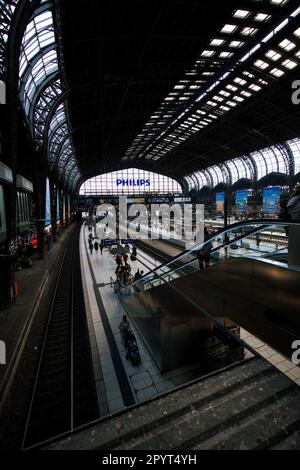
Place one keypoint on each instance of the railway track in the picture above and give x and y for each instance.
(64, 394)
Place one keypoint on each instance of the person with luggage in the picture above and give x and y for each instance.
(132, 350)
(124, 327)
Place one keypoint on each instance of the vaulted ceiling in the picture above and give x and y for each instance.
(174, 86)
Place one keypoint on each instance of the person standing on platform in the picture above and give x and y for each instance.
(101, 246)
(96, 246)
(124, 328)
(91, 248)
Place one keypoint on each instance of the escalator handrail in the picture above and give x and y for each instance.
(262, 222)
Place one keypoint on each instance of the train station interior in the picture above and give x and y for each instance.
(149, 225)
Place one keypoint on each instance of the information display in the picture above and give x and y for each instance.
(241, 201)
(271, 197)
(57, 205)
(220, 198)
(48, 206)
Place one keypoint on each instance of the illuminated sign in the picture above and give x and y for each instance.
(47, 205)
(271, 197)
(220, 197)
(132, 182)
(182, 199)
(241, 201)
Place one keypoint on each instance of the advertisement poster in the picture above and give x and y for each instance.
(241, 201)
(220, 197)
(48, 206)
(57, 205)
(271, 198)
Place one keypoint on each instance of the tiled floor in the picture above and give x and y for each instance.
(278, 360)
(145, 379)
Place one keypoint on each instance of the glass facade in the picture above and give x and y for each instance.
(281, 159)
(130, 181)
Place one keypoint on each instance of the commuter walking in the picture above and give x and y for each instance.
(101, 246)
(124, 328)
(96, 246)
(91, 248)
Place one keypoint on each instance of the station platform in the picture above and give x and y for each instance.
(119, 384)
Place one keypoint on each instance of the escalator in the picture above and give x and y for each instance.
(252, 282)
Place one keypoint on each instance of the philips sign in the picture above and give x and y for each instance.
(132, 182)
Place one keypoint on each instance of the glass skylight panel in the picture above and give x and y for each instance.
(248, 31)
(248, 74)
(241, 13)
(289, 64)
(287, 45)
(278, 2)
(240, 81)
(277, 72)
(262, 17)
(273, 55)
(228, 28)
(217, 42)
(207, 53)
(297, 33)
(225, 93)
(236, 43)
(218, 98)
(231, 87)
(238, 98)
(225, 54)
(261, 64)
(255, 87)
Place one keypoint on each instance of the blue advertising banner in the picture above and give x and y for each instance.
(57, 205)
(220, 198)
(271, 198)
(241, 200)
(48, 207)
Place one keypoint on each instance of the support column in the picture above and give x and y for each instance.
(39, 182)
(53, 208)
(294, 247)
(61, 207)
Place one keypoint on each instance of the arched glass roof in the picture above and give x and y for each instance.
(265, 161)
(294, 146)
(6, 12)
(130, 181)
(40, 86)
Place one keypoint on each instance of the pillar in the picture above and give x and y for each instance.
(294, 247)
